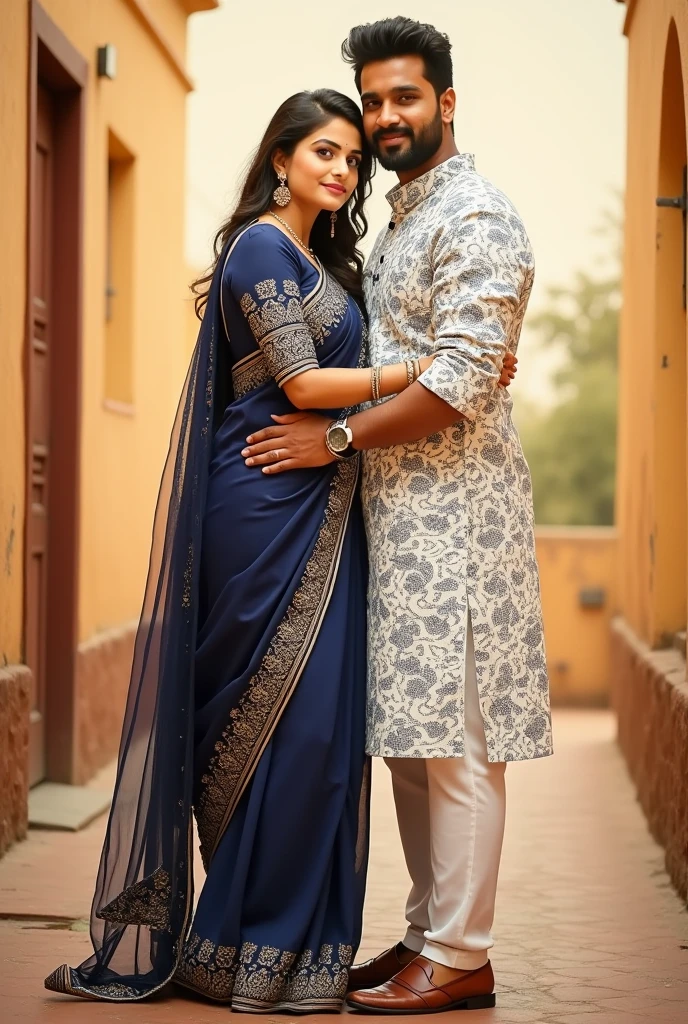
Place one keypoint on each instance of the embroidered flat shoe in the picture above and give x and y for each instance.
(412, 991)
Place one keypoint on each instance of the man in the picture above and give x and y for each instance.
(457, 677)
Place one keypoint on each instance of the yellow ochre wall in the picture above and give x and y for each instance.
(121, 451)
(648, 676)
(14, 38)
(651, 467)
(138, 117)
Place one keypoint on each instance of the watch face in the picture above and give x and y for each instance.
(338, 439)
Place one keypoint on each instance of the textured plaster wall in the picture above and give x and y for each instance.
(650, 693)
(14, 754)
(13, 118)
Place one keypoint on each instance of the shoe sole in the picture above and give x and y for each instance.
(471, 1003)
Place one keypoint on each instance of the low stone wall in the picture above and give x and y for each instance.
(650, 697)
(103, 670)
(15, 688)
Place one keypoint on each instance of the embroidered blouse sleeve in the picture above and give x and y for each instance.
(264, 277)
(482, 274)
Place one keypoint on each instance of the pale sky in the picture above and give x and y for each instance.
(541, 104)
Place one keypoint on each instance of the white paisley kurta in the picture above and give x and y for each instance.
(450, 518)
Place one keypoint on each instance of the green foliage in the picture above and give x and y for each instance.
(571, 448)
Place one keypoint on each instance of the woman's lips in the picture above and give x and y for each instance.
(336, 190)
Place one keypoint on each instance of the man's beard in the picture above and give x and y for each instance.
(422, 146)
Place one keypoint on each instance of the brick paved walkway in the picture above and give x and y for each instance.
(588, 930)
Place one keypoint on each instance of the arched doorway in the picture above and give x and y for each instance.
(668, 563)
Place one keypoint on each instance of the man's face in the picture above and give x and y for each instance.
(402, 116)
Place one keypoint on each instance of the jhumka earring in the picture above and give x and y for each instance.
(333, 221)
(282, 195)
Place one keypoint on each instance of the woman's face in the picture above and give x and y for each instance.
(322, 172)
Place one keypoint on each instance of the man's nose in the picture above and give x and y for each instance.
(387, 116)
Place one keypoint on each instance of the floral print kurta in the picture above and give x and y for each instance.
(450, 518)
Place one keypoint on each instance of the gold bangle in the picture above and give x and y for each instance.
(375, 378)
(410, 373)
(416, 365)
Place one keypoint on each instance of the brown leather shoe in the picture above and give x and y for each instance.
(412, 991)
(377, 971)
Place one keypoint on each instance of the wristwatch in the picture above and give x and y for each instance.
(339, 438)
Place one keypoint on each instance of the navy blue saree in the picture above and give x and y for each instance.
(247, 700)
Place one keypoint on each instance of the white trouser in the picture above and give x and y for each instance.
(451, 813)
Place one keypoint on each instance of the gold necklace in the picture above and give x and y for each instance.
(293, 233)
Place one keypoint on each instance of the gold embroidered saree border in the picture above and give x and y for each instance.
(264, 977)
(147, 902)
(258, 713)
(250, 373)
(66, 981)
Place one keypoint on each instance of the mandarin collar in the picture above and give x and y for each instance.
(403, 198)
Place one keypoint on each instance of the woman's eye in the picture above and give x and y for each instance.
(354, 161)
(324, 152)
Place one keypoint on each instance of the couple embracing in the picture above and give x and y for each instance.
(333, 584)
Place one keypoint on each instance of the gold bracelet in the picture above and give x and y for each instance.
(375, 378)
(410, 373)
(416, 365)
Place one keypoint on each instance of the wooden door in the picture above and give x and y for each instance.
(38, 426)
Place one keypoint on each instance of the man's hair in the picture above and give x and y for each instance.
(401, 37)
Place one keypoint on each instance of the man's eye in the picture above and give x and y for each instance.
(403, 99)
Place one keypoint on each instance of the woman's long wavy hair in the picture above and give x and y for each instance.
(296, 119)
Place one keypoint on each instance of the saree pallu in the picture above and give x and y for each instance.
(267, 740)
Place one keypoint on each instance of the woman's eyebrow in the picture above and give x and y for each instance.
(335, 145)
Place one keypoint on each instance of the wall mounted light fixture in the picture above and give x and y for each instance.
(107, 61)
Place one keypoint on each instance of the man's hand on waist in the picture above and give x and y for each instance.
(296, 442)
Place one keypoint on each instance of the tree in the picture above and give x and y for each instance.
(571, 449)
